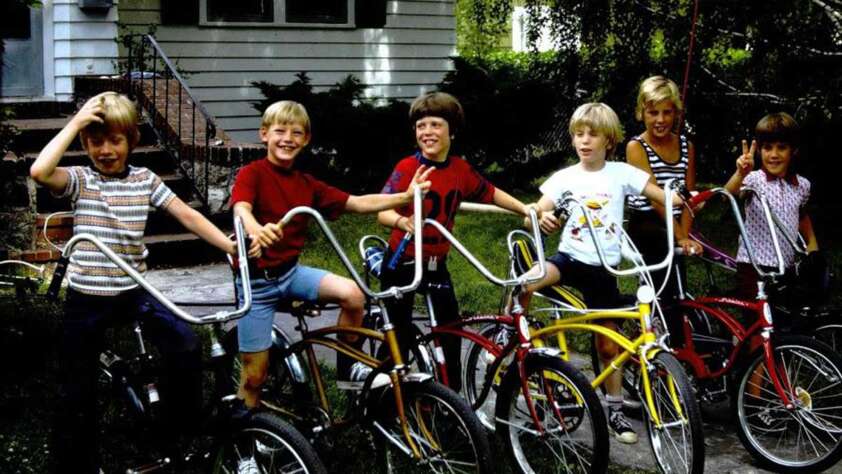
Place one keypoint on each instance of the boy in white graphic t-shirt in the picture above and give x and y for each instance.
(602, 186)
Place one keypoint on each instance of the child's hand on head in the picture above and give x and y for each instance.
(745, 162)
(92, 111)
(420, 180)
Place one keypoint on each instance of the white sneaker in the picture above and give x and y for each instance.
(358, 374)
(620, 427)
(247, 466)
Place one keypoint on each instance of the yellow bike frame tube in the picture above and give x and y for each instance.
(394, 348)
(618, 338)
(317, 378)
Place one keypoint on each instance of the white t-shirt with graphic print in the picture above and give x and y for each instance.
(604, 194)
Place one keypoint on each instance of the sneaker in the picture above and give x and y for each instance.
(357, 375)
(248, 466)
(620, 427)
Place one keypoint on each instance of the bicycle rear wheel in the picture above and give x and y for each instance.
(807, 438)
(677, 440)
(573, 435)
(265, 444)
(446, 433)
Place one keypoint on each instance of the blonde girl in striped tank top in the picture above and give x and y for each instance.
(664, 154)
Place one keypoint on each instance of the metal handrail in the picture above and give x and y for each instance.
(174, 145)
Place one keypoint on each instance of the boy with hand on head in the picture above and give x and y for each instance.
(786, 192)
(111, 200)
(264, 191)
(436, 118)
(602, 186)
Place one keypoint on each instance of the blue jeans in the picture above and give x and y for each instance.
(83, 339)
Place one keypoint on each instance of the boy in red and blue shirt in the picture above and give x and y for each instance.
(436, 117)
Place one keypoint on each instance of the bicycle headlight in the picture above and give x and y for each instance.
(767, 312)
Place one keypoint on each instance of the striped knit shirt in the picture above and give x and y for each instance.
(662, 171)
(114, 209)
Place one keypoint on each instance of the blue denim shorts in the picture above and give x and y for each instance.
(255, 328)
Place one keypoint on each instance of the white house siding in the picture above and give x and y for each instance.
(411, 54)
(83, 43)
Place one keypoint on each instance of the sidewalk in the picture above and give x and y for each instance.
(724, 452)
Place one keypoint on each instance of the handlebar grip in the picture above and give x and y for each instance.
(561, 210)
(393, 262)
(58, 276)
(700, 198)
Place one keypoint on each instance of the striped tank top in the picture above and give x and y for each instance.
(114, 210)
(662, 171)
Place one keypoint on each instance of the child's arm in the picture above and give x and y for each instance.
(264, 235)
(745, 163)
(805, 227)
(198, 224)
(507, 201)
(44, 171)
(379, 202)
(548, 222)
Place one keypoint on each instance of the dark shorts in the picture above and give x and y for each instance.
(598, 287)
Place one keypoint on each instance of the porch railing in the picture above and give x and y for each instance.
(184, 126)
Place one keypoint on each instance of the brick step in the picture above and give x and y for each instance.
(171, 250)
(148, 156)
(36, 133)
(36, 109)
(46, 202)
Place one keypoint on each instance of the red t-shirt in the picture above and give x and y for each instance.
(272, 191)
(453, 181)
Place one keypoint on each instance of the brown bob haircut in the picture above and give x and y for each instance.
(438, 104)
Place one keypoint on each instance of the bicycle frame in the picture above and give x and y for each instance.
(395, 367)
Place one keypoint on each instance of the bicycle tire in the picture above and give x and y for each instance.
(442, 424)
(475, 374)
(670, 384)
(271, 443)
(764, 418)
(578, 435)
(830, 334)
(279, 392)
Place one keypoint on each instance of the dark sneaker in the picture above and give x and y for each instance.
(357, 374)
(620, 427)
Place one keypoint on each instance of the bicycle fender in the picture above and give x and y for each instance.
(281, 341)
(546, 351)
(416, 377)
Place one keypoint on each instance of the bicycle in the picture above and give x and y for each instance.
(415, 421)
(544, 410)
(262, 442)
(670, 410)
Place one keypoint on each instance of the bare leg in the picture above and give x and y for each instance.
(337, 289)
(552, 277)
(255, 369)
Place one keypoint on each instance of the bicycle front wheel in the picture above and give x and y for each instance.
(573, 434)
(446, 435)
(675, 425)
(808, 437)
(265, 444)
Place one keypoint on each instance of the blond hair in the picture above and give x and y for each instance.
(601, 119)
(120, 115)
(656, 89)
(286, 112)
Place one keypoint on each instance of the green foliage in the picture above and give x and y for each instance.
(355, 143)
(480, 24)
(8, 132)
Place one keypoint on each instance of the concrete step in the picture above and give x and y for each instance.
(37, 132)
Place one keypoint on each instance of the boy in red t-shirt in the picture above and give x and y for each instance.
(263, 192)
(436, 117)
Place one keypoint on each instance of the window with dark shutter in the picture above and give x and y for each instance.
(316, 11)
(179, 12)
